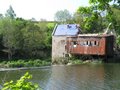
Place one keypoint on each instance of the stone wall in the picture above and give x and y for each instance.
(58, 47)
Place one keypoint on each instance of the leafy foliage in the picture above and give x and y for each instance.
(97, 16)
(62, 16)
(24, 38)
(91, 22)
(21, 84)
(25, 63)
(116, 12)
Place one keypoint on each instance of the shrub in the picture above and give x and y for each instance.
(21, 84)
(37, 62)
(30, 63)
(25, 63)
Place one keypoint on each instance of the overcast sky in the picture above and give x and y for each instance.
(40, 8)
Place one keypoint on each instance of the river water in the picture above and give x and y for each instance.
(75, 77)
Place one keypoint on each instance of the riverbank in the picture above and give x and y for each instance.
(76, 61)
(24, 68)
(36, 63)
(24, 63)
(85, 62)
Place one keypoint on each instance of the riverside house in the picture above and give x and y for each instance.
(67, 39)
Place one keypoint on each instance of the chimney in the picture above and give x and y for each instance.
(68, 26)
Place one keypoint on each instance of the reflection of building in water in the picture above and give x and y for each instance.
(77, 78)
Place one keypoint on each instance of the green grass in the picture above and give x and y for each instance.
(51, 24)
(48, 24)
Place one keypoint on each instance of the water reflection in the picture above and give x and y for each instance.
(40, 76)
(77, 77)
(112, 76)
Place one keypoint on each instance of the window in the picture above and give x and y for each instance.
(89, 43)
(96, 43)
(86, 43)
(74, 44)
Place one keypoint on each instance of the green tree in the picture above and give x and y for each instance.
(33, 19)
(24, 38)
(116, 12)
(90, 21)
(10, 36)
(93, 15)
(77, 18)
(62, 16)
(1, 16)
(10, 13)
(48, 40)
(34, 37)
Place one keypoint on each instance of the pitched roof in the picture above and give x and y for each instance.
(66, 29)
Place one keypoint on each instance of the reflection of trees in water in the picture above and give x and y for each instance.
(40, 76)
(3, 76)
(77, 78)
(112, 76)
(6, 76)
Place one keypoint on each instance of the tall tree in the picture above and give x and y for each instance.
(93, 14)
(33, 38)
(62, 16)
(12, 39)
(1, 16)
(7, 27)
(90, 19)
(10, 13)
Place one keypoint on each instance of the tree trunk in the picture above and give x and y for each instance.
(9, 54)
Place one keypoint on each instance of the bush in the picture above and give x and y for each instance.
(25, 63)
(37, 62)
(76, 61)
(21, 84)
(30, 63)
(15, 63)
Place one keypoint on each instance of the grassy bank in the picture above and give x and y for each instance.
(46, 62)
(74, 61)
(24, 63)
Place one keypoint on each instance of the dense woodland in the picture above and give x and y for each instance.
(25, 39)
